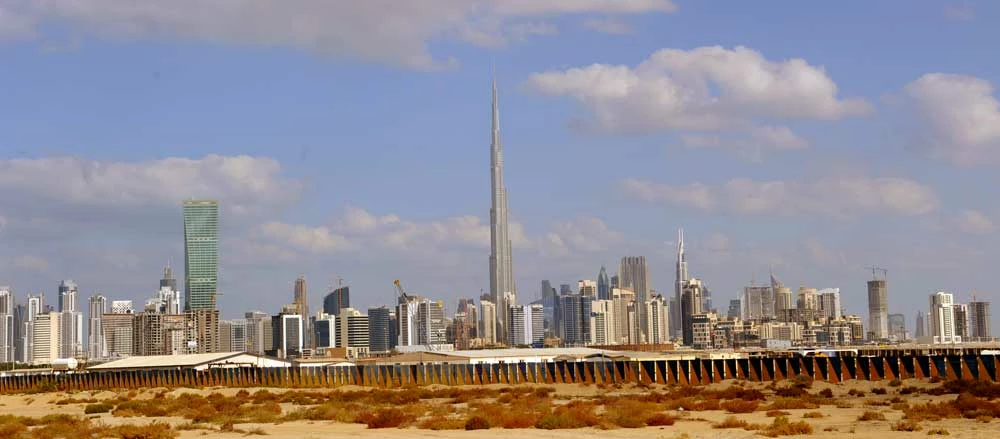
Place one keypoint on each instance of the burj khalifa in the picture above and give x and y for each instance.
(502, 290)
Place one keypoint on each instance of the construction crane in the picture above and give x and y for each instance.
(875, 270)
(401, 295)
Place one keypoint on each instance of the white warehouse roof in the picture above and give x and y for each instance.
(191, 361)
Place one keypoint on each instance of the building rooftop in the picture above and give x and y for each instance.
(186, 361)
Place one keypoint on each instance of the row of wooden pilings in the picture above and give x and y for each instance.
(682, 371)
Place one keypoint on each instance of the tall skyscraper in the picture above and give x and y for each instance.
(381, 331)
(587, 288)
(782, 295)
(168, 279)
(920, 327)
(501, 262)
(979, 317)
(96, 344)
(878, 309)
(942, 316)
(635, 277)
(67, 295)
(201, 254)
(690, 306)
(301, 300)
(7, 327)
(680, 277)
(961, 312)
(337, 300)
(603, 285)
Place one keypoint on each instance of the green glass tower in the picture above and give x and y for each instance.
(201, 254)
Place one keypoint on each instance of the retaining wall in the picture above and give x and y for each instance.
(685, 372)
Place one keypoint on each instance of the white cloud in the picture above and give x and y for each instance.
(608, 25)
(391, 31)
(751, 146)
(241, 183)
(316, 239)
(959, 115)
(835, 197)
(703, 89)
(583, 235)
(824, 256)
(962, 12)
(974, 221)
(28, 262)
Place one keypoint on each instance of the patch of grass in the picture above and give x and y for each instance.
(813, 415)
(791, 404)
(938, 432)
(660, 420)
(871, 415)
(576, 414)
(783, 427)
(101, 407)
(442, 423)
(734, 422)
(739, 406)
(906, 425)
(776, 413)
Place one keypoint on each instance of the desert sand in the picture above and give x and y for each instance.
(836, 421)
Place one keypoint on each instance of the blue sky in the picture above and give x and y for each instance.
(351, 139)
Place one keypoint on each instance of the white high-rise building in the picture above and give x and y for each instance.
(46, 335)
(421, 322)
(502, 284)
(527, 326)
(487, 319)
(67, 296)
(878, 309)
(624, 332)
(603, 327)
(942, 318)
(96, 343)
(658, 322)
(7, 341)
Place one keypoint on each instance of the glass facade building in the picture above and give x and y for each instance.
(201, 254)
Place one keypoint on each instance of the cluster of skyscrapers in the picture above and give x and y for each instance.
(617, 310)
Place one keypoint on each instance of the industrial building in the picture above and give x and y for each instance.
(190, 361)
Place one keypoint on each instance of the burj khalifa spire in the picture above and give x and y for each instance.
(502, 290)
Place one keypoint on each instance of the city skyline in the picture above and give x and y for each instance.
(308, 186)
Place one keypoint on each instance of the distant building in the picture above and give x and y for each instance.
(690, 306)
(602, 323)
(67, 296)
(829, 302)
(337, 300)
(588, 288)
(260, 332)
(603, 285)
(201, 254)
(634, 276)
(233, 335)
(920, 327)
(118, 334)
(8, 329)
(897, 327)
(526, 326)
(381, 330)
(658, 321)
(979, 317)
(878, 309)
(961, 311)
(122, 307)
(96, 347)
(575, 318)
(325, 331)
(734, 309)
(487, 319)
(942, 316)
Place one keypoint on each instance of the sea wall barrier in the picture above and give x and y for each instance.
(681, 371)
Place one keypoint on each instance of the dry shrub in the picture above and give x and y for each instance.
(739, 406)
(256, 432)
(826, 393)
(901, 406)
(906, 425)
(879, 391)
(149, 431)
(735, 392)
(984, 419)
(844, 404)
(627, 413)
(67, 401)
(101, 407)
(876, 403)
(938, 432)
(871, 415)
(783, 427)
(830, 429)
(895, 383)
(909, 390)
(982, 389)
(734, 422)
(442, 423)
(576, 414)
(802, 381)
(388, 418)
(524, 414)
(477, 423)
(791, 392)
(660, 420)
(931, 412)
(813, 415)
(776, 413)
(856, 392)
(791, 404)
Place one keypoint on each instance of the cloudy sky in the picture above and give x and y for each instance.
(351, 139)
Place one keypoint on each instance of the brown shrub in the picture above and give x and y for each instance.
(938, 432)
(909, 390)
(813, 415)
(442, 423)
(879, 391)
(791, 392)
(791, 404)
(984, 419)
(477, 423)
(576, 414)
(149, 431)
(734, 422)
(871, 415)
(101, 407)
(739, 406)
(776, 413)
(389, 418)
(906, 425)
(856, 392)
(895, 383)
(826, 393)
(783, 427)
(628, 413)
(931, 412)
(660, 420)
(802, 381)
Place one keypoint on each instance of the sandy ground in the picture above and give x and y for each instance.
(838, 422)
